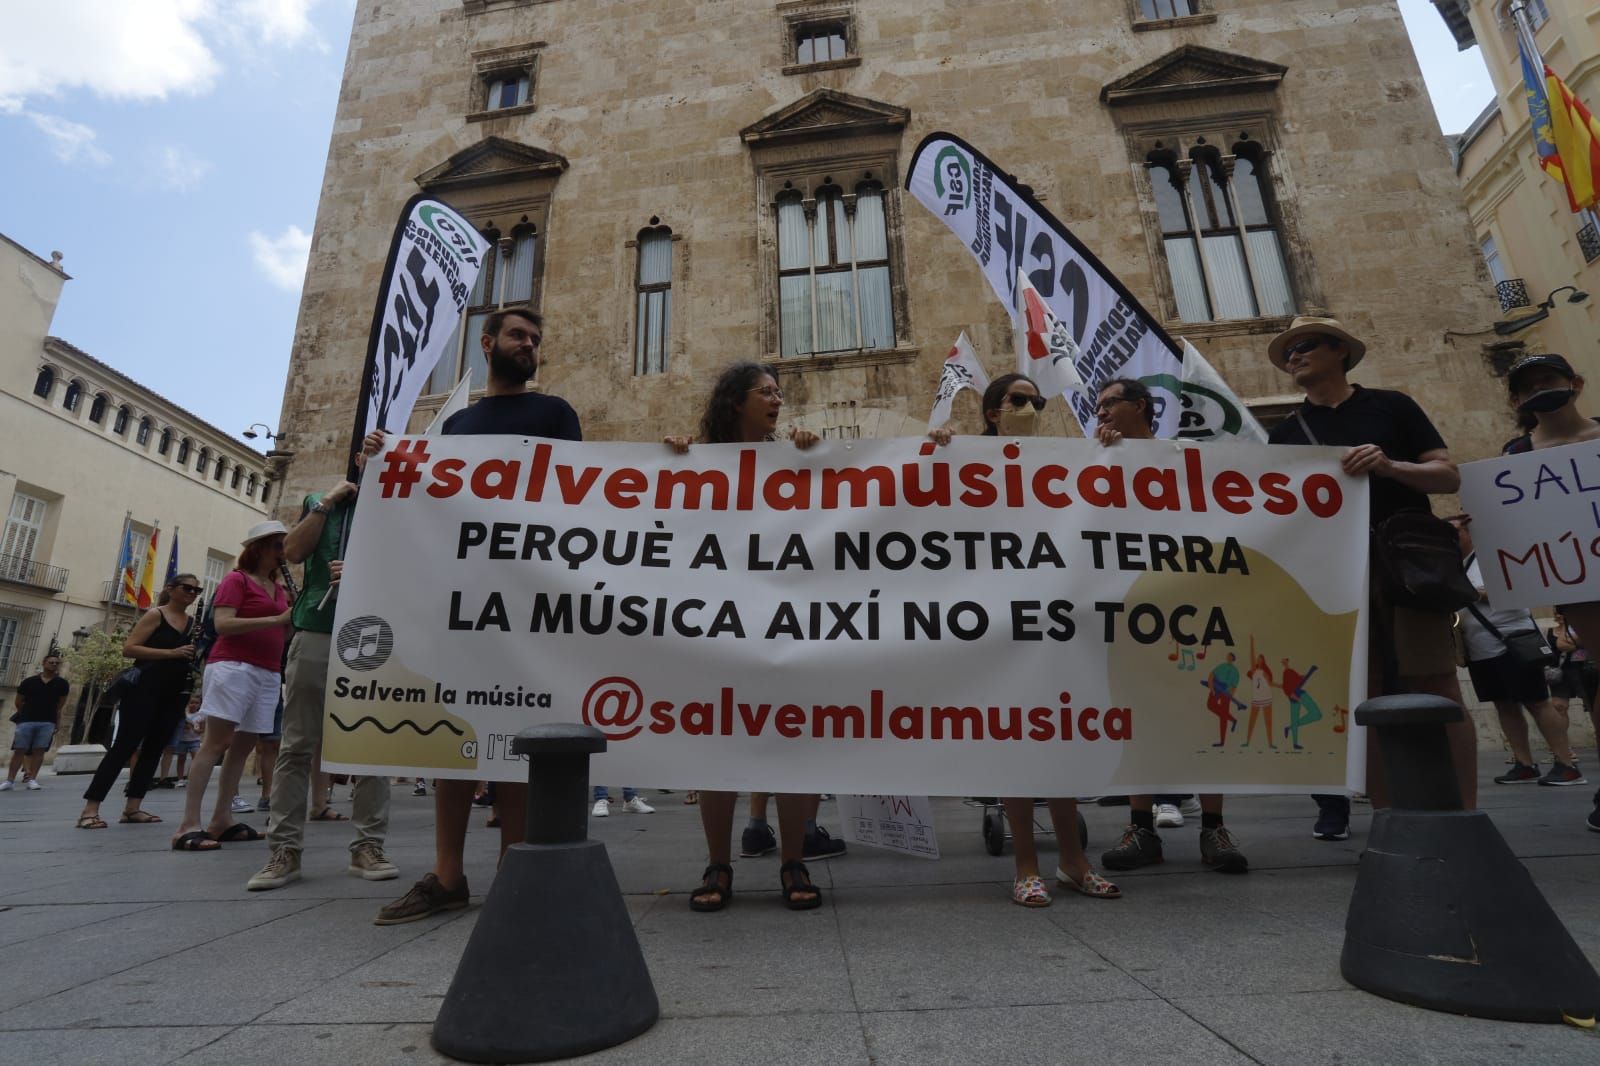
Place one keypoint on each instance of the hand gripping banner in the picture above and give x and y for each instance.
(1011, 234)
(433, 263)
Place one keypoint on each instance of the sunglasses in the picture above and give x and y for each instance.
(1310, 344)
(1020, 400)
(193, 590)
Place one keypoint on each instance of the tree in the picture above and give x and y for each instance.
(91, 664)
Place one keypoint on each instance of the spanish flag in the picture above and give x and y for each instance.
(147, 579)
(1565, 135)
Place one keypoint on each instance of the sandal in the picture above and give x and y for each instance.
(1092, 885)
(238, 833)
(196, 841)
(90, 821)
(328, 814)
(799, 882)
(711, 885)
(138, 818)
(1030, 892)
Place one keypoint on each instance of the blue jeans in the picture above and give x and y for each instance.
(600, 793)
(32, 736)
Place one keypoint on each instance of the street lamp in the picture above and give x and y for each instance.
(251, 434)
(1545, 306)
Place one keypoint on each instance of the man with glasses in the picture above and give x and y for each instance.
(1126, 411)
(39, 702)
(1391, 441)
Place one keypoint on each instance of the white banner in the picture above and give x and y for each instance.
(893, 823)
(1041, 617)
(433, 263)
(1536, 525)
(1011, 234)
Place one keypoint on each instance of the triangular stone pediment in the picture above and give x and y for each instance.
(826, 113)
(493, 159)
(1192, 70)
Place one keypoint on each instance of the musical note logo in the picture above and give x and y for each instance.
(365, 643)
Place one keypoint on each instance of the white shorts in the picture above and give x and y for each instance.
(243, 694)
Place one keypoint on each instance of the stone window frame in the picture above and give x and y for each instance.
(1203, 14)
(798, 15)
(655, 227)
(479, 7)
(845, 169)
(1261, 127)
(495, 64)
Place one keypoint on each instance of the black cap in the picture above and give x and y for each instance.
(1534, 362)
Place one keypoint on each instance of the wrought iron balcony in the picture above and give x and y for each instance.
(19, 570)
(1513, 293)
(1589, 241)
(110, 593)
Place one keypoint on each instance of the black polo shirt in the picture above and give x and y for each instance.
(1391, 420)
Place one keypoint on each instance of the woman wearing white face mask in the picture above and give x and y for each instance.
(1011, 405)
(1546, 388)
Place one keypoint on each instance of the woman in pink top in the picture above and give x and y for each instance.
(242, 684)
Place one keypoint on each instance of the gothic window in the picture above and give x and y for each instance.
(833, 271)
(120, 425)
(74, 393)
(142, 438)
(1221, 242)
(165, 445)
(508, 279)
(97, 409)
(653, 301)
(44, 383)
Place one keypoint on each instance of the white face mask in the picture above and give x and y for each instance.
(1019, 423)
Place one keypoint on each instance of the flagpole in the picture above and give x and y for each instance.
(116, 574)
(1519, 17)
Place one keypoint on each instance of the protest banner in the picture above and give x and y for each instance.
(1536, 525)
(892, 823)
(1012, 235)
(433, 263)
(961, 370)
(1039, 617)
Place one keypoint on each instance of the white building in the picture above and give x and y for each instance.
(82, 446)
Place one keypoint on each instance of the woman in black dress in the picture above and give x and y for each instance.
(161, 645)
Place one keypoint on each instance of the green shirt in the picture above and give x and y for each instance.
(307, 615)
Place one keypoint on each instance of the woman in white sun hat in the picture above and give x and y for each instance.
(242, 681)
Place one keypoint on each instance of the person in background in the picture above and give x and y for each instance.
(1010, 405)
(242, 684)
(161, 644)
(1575, 675)
(743, 408)
(184, 743)
(632, 802)
(1545, 388)
(39, 702)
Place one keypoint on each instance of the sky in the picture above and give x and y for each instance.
(173, 151)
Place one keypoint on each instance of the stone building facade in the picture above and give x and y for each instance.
(680, 184)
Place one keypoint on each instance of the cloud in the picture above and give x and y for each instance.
(70, 141)
(282, 259)
(180, 169)
(285, 22)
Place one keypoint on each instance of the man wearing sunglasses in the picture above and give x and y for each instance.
(1389, 439)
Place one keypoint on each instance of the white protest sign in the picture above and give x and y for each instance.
(996, 617)
(961, 370)
(1536, 525)
(893, 823)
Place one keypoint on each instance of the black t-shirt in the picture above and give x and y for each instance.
(528, 414)
(1391, 420)
(39, 699)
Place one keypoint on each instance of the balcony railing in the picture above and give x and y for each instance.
(1513, 293)
(110, 593)
(1589, 241)
(23, 571)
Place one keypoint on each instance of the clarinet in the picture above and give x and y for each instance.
(288, 582)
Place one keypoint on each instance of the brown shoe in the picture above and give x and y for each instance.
(427, 897)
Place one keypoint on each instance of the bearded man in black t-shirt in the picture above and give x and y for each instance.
(511, 341)
(1393, 443)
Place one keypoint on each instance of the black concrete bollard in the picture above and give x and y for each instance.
(1444, 916)
(553, 968)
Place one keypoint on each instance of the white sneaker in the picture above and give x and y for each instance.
(1168, 816)
(602, 809)
(1190, 806)
(637, 806)
(243, 806)
(6, 786)
(33, 784)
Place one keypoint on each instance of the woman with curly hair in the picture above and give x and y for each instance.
(743, 408)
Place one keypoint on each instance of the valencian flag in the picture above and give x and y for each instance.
(1565, 135)
(146, 594)
(433, 263)
(127, 590)
(1079, 318)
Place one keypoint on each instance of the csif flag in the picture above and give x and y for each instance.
(961, 371)
(1046, 351)
(433, 263)
(1014, 238)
